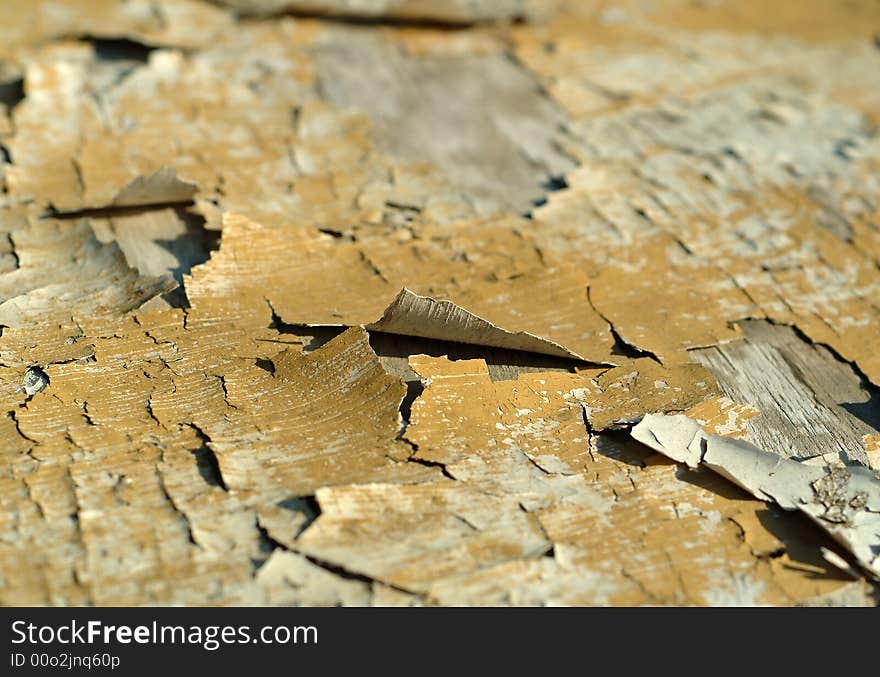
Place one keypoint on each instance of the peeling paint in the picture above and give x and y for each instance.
(331, 303)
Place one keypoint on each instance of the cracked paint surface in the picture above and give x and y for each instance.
(302, 309)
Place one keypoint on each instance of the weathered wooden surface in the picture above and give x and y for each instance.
(812, 404)
(289, 289)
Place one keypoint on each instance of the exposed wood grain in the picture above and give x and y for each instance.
(808, 399)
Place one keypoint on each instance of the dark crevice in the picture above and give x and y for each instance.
(206, 460)
(353, 19)
(352, 575)
(622, 347)
(86, 415)
(336, 234)
(414, 390)
(305, 505)
(775, 554)
(12, 93)
(372, 266)
(585, 418)
(268, 544)
(402, 206)
(431, 464)
(531, 461)
(110, 211)
(120, 49)
(150, 405)
(553, 184)
(11, 414)
(685, 248)
(14, 256)
(265, 365)
(225, 390)
(403, 346)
